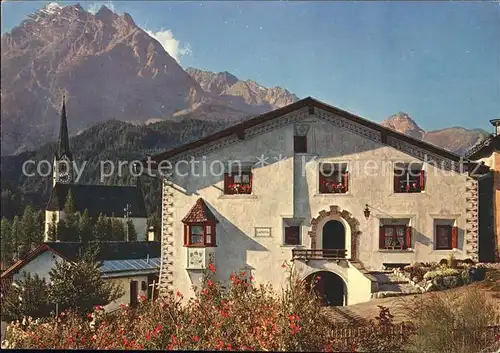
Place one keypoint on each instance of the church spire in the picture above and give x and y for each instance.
(63, 143)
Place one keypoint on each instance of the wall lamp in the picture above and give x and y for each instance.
(367, 212)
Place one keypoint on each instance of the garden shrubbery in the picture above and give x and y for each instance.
(236, 316)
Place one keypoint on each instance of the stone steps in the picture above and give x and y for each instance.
(392, 285)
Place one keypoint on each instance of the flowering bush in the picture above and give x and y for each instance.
(239, 316)
(237, 188)
(442, 272)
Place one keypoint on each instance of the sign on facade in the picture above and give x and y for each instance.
(262, 232)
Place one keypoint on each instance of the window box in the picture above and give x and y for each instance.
(333, 178)
(395, 237)
(237, 184)
(409, 178)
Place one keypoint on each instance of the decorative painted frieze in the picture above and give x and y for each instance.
(348, 125)
(472, 219)
(167, 240)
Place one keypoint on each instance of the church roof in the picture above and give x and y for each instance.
(99, 199)
(199, 213)
(63, 142)
(311, 104)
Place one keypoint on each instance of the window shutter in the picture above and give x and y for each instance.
(396, 183)
(408, 233)
(228, 180)
(381, 238)
(454, 237)
(422, 180)
(186, 235)
(346, 180)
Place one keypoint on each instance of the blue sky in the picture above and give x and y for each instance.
(437, 61)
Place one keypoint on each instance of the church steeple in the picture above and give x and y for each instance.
(63, 160)
(63, 143)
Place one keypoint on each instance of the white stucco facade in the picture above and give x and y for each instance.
(286, 187)
(40, 265)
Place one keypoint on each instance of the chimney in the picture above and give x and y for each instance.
(151, 233)
(496, 124)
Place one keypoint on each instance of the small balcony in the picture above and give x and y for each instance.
(319, 254)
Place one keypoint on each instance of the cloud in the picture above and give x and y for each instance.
(171, 45)
(95, 6)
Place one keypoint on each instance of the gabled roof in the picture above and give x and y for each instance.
(33, 254)
(97, 199)
(311, 103)
(70, 251)
(199, 213)
(485, 148)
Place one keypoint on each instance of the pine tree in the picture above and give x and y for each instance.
(85, 228)
(27, 297)
(71, 219)
(132, 233)
(79, 285)
(117, 230)
(100, 229)
(15, 231)
(7, 243)
(52, 233)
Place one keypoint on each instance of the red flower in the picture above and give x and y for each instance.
(211, 268)
(283, 266)
(179, 294)
(196, 339)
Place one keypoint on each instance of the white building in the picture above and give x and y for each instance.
(309, 183)
(134, 265)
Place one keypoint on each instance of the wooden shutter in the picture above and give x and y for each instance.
(408, 233)
(422, 180)
(454, 237)
(346, 180)
(396, 183)
(381, 238)
(228, 180)
(186, 235)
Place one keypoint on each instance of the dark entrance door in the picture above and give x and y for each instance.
(133, 294)
(328, 287)
(333, 235)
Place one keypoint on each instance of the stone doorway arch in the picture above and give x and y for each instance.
(335, 212)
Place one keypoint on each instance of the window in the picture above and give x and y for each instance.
(395, 237)
(292, 235)
(446, 237)
(333, 178)
(300, 144)
(409, 178)
(238, 182)
(199, 234)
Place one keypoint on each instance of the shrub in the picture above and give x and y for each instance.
(441, 272)
(451, 322)
(239, 316)
(26, 298)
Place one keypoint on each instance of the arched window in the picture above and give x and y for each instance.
(200, 226)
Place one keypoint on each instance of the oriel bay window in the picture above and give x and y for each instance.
(395, 236)
(200, 226)
(238, 181)
(202, 234)
(409, 178)
(333, 178)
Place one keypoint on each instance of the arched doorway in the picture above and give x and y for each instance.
(333, 235)
(328, 287)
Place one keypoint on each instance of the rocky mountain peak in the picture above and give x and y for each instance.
(403, 123)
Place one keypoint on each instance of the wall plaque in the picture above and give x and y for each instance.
(262, 232)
